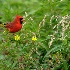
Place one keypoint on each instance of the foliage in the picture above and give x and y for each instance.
(44, 41)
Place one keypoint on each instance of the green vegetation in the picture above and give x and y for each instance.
(44, 41)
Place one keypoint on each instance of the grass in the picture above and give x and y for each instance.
(44, 41)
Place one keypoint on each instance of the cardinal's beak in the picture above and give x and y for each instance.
(23, 20)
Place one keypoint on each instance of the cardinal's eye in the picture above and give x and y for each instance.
(21, 19)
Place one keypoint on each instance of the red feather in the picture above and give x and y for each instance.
(16, 25)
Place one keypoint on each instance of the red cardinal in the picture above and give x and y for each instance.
(16, 25)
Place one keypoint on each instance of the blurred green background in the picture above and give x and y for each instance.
(49, 21)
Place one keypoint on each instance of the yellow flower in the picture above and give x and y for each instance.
(34, 38)
(17, 37)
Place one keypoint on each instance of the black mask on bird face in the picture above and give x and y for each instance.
(21, 20)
